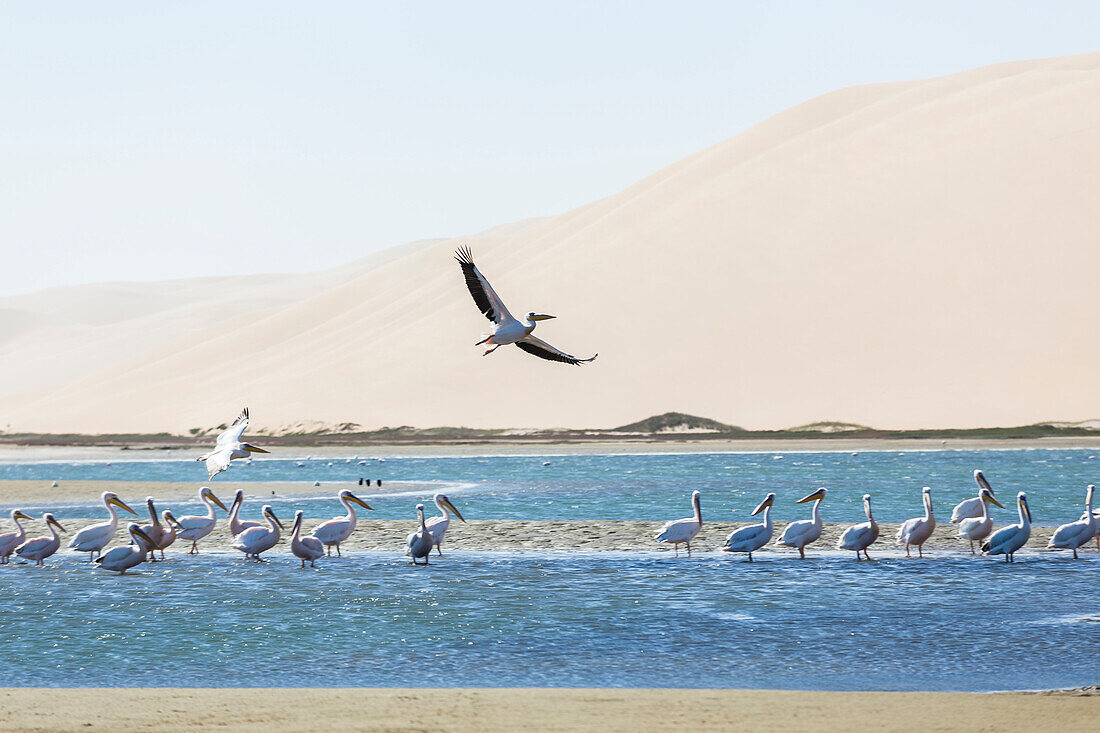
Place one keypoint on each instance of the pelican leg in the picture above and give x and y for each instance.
(865, 553)
(920, 551)
(1074, 553)
(971, 547)
(328, 550)
(750, 557)
(802, 552)
(438, 551)
(338, 550)
(304, 562)
(907, 550)
(689, 548)
(495, 347)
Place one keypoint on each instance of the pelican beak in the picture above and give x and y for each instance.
(984, 484)
(989, 499)
(217, 501)
(145, 538)
(763, 505)
(121, 504)
(55, 523)
(453, 508)
(1027, 509)
(168, 516)
(812, 497)
(542, 317)
(23, 515)
(253, 449)
(276, 520)
(360, 502)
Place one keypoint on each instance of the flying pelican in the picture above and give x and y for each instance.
(1073, 535)
(236, 524)
(162, 536)
(229, 446)
(195, 527)
(1006, 540)
(683, 530)
(255, 540)
(972, 507)
(916, 531)
(93, 538)
(306, 548)
(859, 537)
(39, 548)
(419, 544)
(338, 529)
(438, 525)
(977, 529)
(803, 532)
(507, 329)
(10, 540)
(124, 557)
(752, 538)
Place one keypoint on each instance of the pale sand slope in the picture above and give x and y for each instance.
(911, 254)
(601, 710)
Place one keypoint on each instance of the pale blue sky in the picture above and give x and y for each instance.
(146, 141)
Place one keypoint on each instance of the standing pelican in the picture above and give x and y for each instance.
(438, 525)
(972, 507)
(229, 446)
(39, 548)
(236, 524)
(752, 538)
(803, 532)
(977, 529)
(683, 530)
(305, 548)
(507, 329)
(93, 538)
(255, 540)
(419, 543)
(1073, 535)
(916, 531)
(338, 529)
(10, 540)
(1006, 540)
(162, 536)
(195, 527)
(124, 557)
(859, 537)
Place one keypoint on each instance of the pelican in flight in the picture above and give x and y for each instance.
(419, 544)
(304, 548)
(39, 548)
(803, 532)
(229, 446)
(438, 525)
(195, 527)
(752, 538)
(93, 538)
(255, 540)
(1006, 540)
(916, 531)
(859, 537)
(1073, 535)
(162, 535)
(506, 328)
(10, 540)
(977, 529)
(124, 557)
(683, 530)
(236, 524)
(338, 529)
(972, 507)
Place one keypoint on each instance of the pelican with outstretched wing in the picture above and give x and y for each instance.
(507, 329)
(229, 446)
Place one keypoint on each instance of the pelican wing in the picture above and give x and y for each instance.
(218, 461)
(486, 299)
(232, 435)
(541, 349)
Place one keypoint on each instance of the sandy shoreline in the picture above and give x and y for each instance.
(470, 710)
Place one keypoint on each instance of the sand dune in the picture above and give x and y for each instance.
(898, 255)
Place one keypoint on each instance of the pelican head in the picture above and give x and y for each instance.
(253, 449)
(987, 496)
(420, 511)
(768, 501)
(815, 496)
(345, 494)
(48, 518)
(536, 317)
(1021, 499)
(169, 518)
(442, 499)
(238, 497)
(982, 483)
(267, 512)
(111, 497)
(20, 514)
(206, 492)
(297, 521)
(867, 504)
(136, 532)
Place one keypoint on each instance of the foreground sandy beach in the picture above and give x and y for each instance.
(465, 710)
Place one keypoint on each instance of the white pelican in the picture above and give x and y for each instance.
(93, 538)
(255, 540)
(39, 548)
(972, 507)
(1006, 540)
(419, 543)
(236, 524)
(305, 548)
(1073, 535)
(195, 527)
(916, 531)
(859, 537)
(507, 329)
(338, 529)
(124, 557)
(438, 525)
(10, 540)
(752, 538)
(162, 535)
(229, 446)
(683, 530)
(977, 529)
(801, 533)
